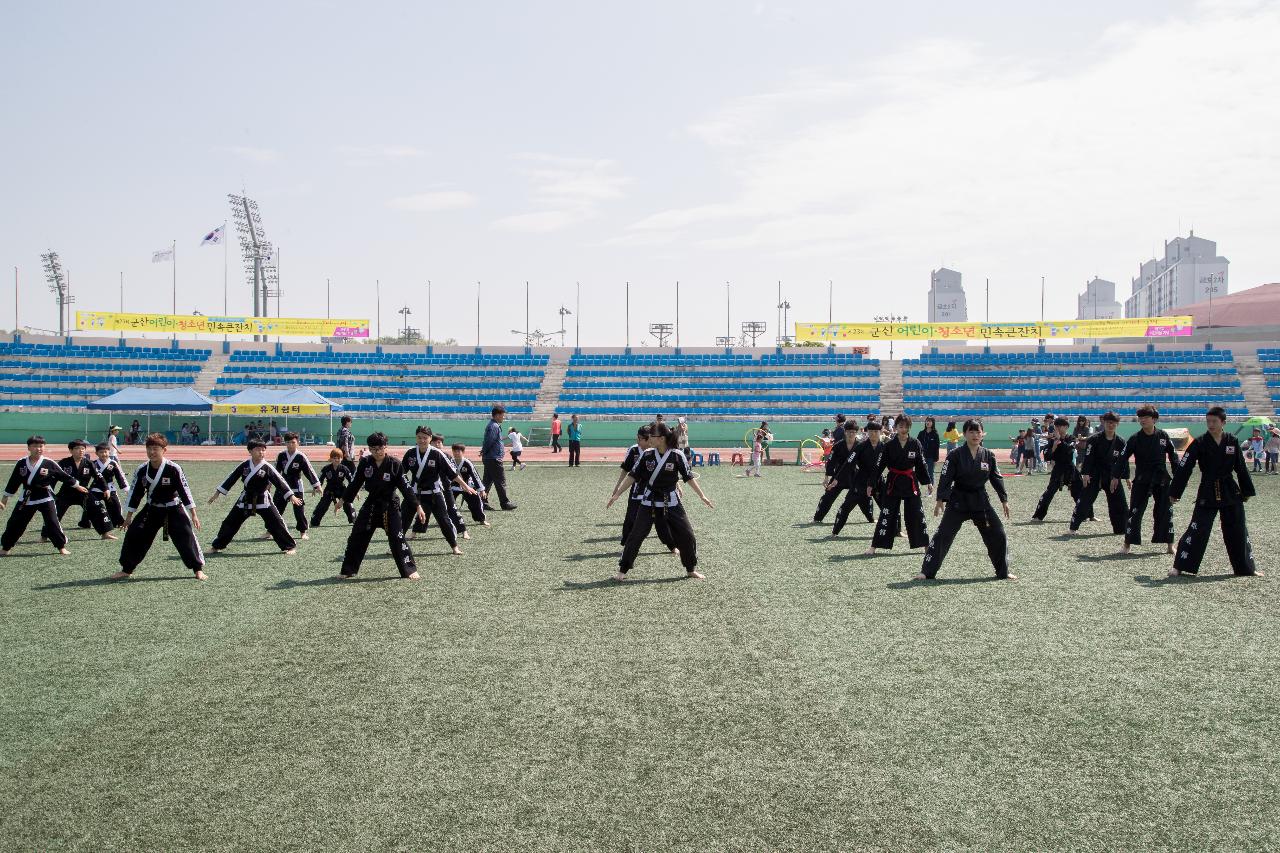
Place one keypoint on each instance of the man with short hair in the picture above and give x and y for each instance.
(1061, 452)
(1101, 450)
(294, 465)
(492, 453)
(162, 500)
(346, 443)
(1225, 485)
(257, 478)
(1150, 448)
(382, 477)
(80, 467)
(36, 476)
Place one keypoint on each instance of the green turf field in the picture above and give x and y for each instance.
(802, 697)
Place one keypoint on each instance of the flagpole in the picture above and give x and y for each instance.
(224, 270)
(121, 291)
(16, 324)
(175, 282)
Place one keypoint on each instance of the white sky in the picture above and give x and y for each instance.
(865, 143)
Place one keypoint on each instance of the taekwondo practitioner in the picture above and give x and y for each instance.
(1150, 448)
(383, 478)
(295, 466)
(257, 478)
(1102, 451)
(903, 457)
(1061, 452)
(334, 479)
(36, 476)
(161, 499)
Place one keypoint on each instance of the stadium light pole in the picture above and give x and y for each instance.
(526, 315)
(327, 306)
(377, 290)
(988, 300)
(628, 316)
(122, 292)
(428, 315)
(677, 315)
(727, 324)
(577, 319)
(477, 316)
(1042, 308)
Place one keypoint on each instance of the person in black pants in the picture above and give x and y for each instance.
(931, 441)
(80, 467)
(831, 486)
(660, 469)
(637, 490)
(294, 466)
(1150, 448)
(427, 468)
(346, 443)
(1101, 451)
(1061, 452)
(36, 476)
(962, 490)
(857, 473)
(1225, 485)
(257, 478)
(160, 489)
(903, 457)
(575, 442)
(334, 479)
(383, 478)
(102, 506)
(474, 498)
(491, 455)
(555, 432)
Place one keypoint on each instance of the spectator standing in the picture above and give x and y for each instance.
(517, 447)
(492, 453)
(135, 432)
(555, 433)
(575, 442)
(1273, 451)
(931, 443)
(1256, 448)
(113, 443)
(682, 439)
(953, 438)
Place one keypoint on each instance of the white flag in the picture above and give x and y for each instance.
(162, 256)
(214, 236)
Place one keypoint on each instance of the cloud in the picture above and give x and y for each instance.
(569, 191)
(380, 151)
(945, 146)
(433, 202)
(254, 155)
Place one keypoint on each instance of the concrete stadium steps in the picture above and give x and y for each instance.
(891, 389)
(209, 373)
(544, 405)
(1258, 398)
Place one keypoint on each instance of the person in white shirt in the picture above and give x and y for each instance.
(516, 440)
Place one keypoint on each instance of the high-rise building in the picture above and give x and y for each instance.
(946, 297)
(1190, 270)
(1098, 302)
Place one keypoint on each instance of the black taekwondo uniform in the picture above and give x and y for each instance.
(37, 481)
(294, 468)
(633, 501)
(1099, 461)
(658, 474)
(334, 479)
(856, 473)
(164, 498)
(1150, 479)
(1225, 485)
(103, 500)
(385, 484)
(962, 487)
(429, 475)
(69, 496)
(901, 504)
(255, 499)
(1061, 452)
(467, 471)
(834, 459)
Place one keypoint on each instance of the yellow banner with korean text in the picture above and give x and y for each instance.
(1133, 327)
(264, 409)
(187, 324)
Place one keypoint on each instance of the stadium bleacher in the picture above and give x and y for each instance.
(62, 376)
(1181, 383)
(418, 383)
(1269, 361)
(778, 385)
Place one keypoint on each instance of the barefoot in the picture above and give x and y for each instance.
(343, 577)
(1173, 573)
(695, 575)
(466, 534)
(213, 550)
(304, 536)
(675, 552)
(457, 552)
(870, 552)
(1124, 549)
(289, 552)
(620, 577)
(108, 536)
(1008, 578)
(413, 576)
(920, 576)
(1258, 574)
(201, 576)
(121, 576)
(1169, 550)
(63, 551)
(264, 537)
(411, 535)
(485, 524)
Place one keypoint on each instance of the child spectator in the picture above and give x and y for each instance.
(516, 440)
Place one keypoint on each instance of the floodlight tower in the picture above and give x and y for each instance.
(661, 331)
(259, 256)
(752, 329)
(60, 287)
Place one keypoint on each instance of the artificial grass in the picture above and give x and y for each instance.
(801, 697)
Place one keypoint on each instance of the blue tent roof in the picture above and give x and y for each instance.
(134, 399)
(259, 396)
